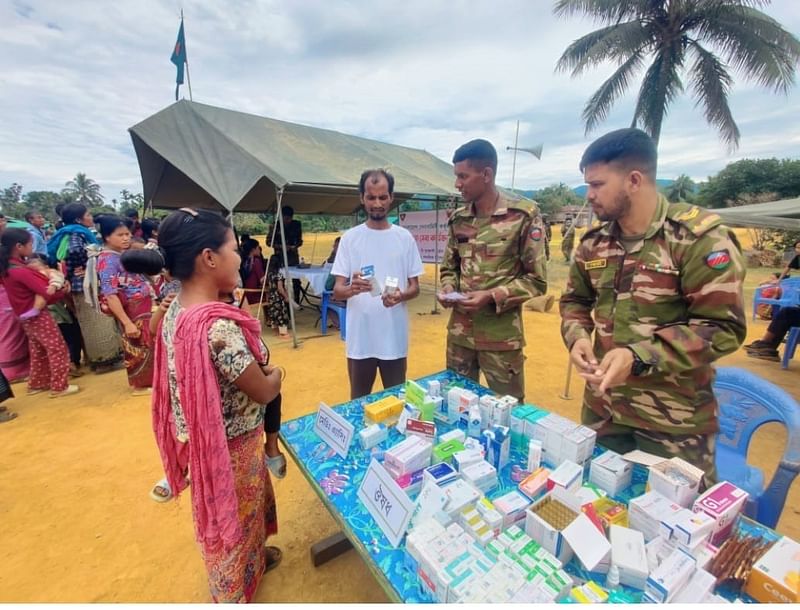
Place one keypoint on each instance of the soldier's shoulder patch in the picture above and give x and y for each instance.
(536, 234)
(694, 218)
(598, 263)
(719, 260)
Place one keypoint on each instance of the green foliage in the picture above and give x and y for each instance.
(85, 190)
(700, 41)
(682, 188)
(782, 240)
(128, 200)
(741, 181)
(552, 198)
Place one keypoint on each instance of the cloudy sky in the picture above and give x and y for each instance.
(74, 76)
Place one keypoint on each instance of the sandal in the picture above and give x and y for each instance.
(161, 491)
(6, 416)
(273, 559)
(277, 465)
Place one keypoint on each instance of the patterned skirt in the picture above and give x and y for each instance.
(234, 575)
(139, 351)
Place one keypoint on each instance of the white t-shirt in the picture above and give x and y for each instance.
(375, 331)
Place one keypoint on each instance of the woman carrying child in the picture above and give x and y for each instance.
(128, 298)
(49, 356)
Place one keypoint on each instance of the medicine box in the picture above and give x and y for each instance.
(457, 434)
(724, 502)
(481, 474)
(646, 512)
(687, 528)
(675, 479)
(699, 586)
(589, 544)
(466, 457)
(460, 494)
(490, 514)
(611, 472)
(411, 482)
(545, 521)
(568, 475)
(443, 452)
(387, 408)
(628, 554)
(497, 445)
(775, 577)
(589, 593)
(668, 578)
(535, 483)
(611, 512)
(408, 455)
(512, 507)
(440, 473)
(372, 435)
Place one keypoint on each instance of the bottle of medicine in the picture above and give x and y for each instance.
(612, 580)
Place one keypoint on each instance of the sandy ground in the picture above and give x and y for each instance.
(78, 525)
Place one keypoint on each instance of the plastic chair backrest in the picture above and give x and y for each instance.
(746, 402)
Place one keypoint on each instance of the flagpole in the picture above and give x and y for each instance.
(188, 76)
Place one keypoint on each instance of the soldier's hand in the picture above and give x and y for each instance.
(474, 301)
(613, 371)
(446, 303)
(582, 356)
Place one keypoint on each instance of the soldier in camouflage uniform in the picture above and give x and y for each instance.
(568, 238)
(660, 285)
(495, 258)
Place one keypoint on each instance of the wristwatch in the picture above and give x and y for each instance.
(639, 366)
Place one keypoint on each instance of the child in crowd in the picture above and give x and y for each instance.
(55, 282)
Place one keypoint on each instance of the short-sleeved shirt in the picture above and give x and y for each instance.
(114, 280)
(795, 262)
(231, 356)
(375, 331)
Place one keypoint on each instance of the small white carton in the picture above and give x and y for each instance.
(700, 584)
(690, 528)
(611, 472)
(676, 479)
(646, 512)
(512, 507)
(629, 555)
(668, 578)
(589, 544)
(568, 475)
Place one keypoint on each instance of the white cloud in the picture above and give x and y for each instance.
(75, 76)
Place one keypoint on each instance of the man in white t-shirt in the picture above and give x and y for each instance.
(377, 268)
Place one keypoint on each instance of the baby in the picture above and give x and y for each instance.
(55, 283)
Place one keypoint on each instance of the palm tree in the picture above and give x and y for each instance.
(681, 189)
(85, 190)
(702, 40)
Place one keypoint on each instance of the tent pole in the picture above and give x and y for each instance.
(279, 211)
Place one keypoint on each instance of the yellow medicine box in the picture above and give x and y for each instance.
(386, 408)
(610, 512)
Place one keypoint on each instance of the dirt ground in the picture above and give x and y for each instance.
(78, 525)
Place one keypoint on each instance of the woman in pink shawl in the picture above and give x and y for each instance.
(210, 387)
(14, 356)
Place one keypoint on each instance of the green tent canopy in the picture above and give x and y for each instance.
(783, 214)
(200, 155)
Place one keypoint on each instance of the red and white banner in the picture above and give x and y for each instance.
(422, 226)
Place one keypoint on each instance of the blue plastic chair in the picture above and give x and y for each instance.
(790, 296)
(746, 402)
(791, 344)
(326, 304)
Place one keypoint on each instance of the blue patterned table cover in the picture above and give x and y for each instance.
(336, 481)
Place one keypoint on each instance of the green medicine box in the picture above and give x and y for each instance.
(443, 452)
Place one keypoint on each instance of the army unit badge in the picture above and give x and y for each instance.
(718, 260)
(536, 234)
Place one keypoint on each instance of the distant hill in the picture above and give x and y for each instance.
(581, 190)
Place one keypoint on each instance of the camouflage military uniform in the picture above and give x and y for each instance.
(568, 241)
(503, 253)
(675, 298)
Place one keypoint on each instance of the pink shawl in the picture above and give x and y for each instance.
(214, 501)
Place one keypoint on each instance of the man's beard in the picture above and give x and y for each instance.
(622, 205)
(377, 215)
